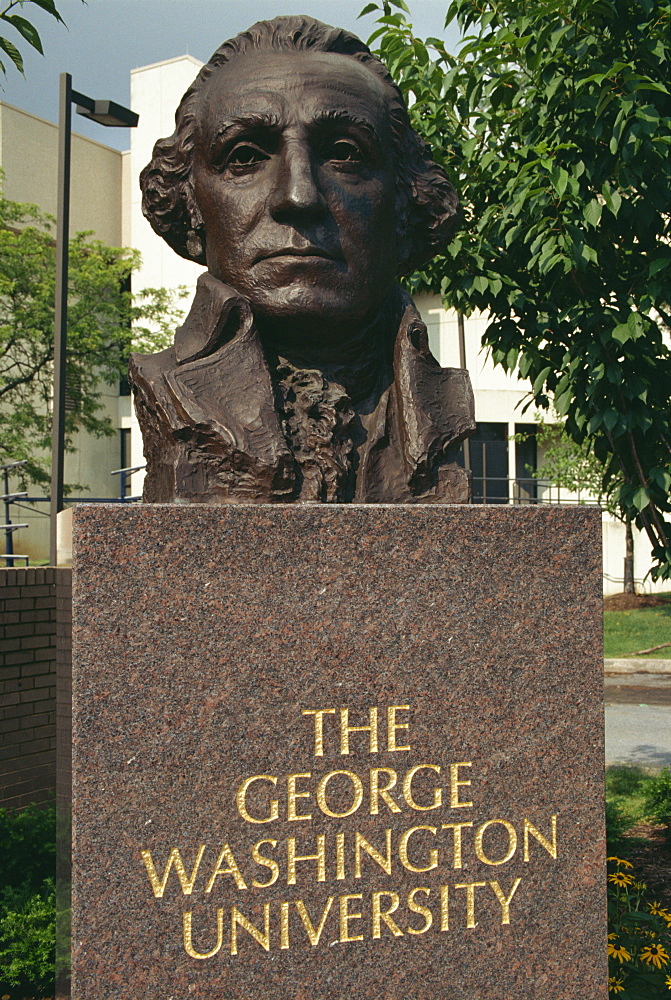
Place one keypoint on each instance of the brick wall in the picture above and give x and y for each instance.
(28, 645)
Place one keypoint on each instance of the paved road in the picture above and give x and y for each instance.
(638, 720)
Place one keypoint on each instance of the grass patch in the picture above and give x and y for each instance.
(627, 632)
(625, 799)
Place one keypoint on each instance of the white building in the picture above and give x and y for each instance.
(500, 463)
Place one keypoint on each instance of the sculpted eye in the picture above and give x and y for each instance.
(245, 156)
(345, 151)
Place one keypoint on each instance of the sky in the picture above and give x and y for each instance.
(105, 39)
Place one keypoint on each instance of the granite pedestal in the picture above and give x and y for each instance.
(329, 752)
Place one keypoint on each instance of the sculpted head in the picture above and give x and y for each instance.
(295, 176)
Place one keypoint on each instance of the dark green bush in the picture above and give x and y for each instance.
(28, 899)
(624, 780)
(658, 797)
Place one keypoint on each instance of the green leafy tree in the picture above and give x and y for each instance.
(25, 29)
(554, 121)
(575, 468)
(104, 322)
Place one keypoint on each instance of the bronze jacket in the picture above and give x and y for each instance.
(212, 433)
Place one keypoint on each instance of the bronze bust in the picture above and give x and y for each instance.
(302, 372)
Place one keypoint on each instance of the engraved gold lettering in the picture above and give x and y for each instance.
(346, 916)
(393, 725)
(188, 939)
(174, 859)
(455, 784)
(238, 919)
(456, 829)
(360, 843)
(319, 714)
(444, 908)
(346, 729)
(340, 856)
(423, 911)
(314, 933)
(379, 914)
(505, 902)
(227, 856)
(284, 925)
(403, 850)
(512, 841)
(470, 888)
(382, 793)
(241, 797)
(407, 788)
(356, 801)
(551, 848)
(267, 863)
(319, 857)
(292, 795)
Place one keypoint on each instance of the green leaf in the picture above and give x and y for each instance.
(612, 198)
(26, 29)
(621, 333)
(610, 418)
(50, 7)
(641, 499)
(12, 52)
(368, 9)
(539, 381)
(592, 212)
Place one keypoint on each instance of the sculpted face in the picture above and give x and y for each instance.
(294, 176)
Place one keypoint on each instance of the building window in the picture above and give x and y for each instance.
(526, 463)
(489, 463)
(124, 460)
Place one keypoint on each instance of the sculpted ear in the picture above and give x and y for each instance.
(168, 199)
(427, 205)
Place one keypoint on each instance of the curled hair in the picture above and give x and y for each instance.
(427, 207)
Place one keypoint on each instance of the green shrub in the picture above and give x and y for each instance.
(28, 899)
(27, 937)
(28, 841)
(625, 780)
(658, 798)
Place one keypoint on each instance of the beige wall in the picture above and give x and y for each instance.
(29, 159)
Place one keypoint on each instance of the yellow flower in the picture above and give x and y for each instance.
(654, 954)
(618, 951)
(615, 984)
(620, 861)
(640, 886)
(668, 982)
(657, 909)
(621, 879)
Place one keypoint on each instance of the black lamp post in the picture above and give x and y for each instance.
(105, 113)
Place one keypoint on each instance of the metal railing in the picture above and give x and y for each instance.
(9, 555)
(22, 500)
(525, 490)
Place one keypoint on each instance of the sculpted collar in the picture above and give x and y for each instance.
(212, 433)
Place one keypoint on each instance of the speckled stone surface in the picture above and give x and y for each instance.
(202, 635)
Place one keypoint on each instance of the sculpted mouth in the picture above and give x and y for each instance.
(305, 251)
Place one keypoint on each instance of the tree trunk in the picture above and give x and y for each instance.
(629, 586)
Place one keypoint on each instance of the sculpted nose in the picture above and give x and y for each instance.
(296, 188)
